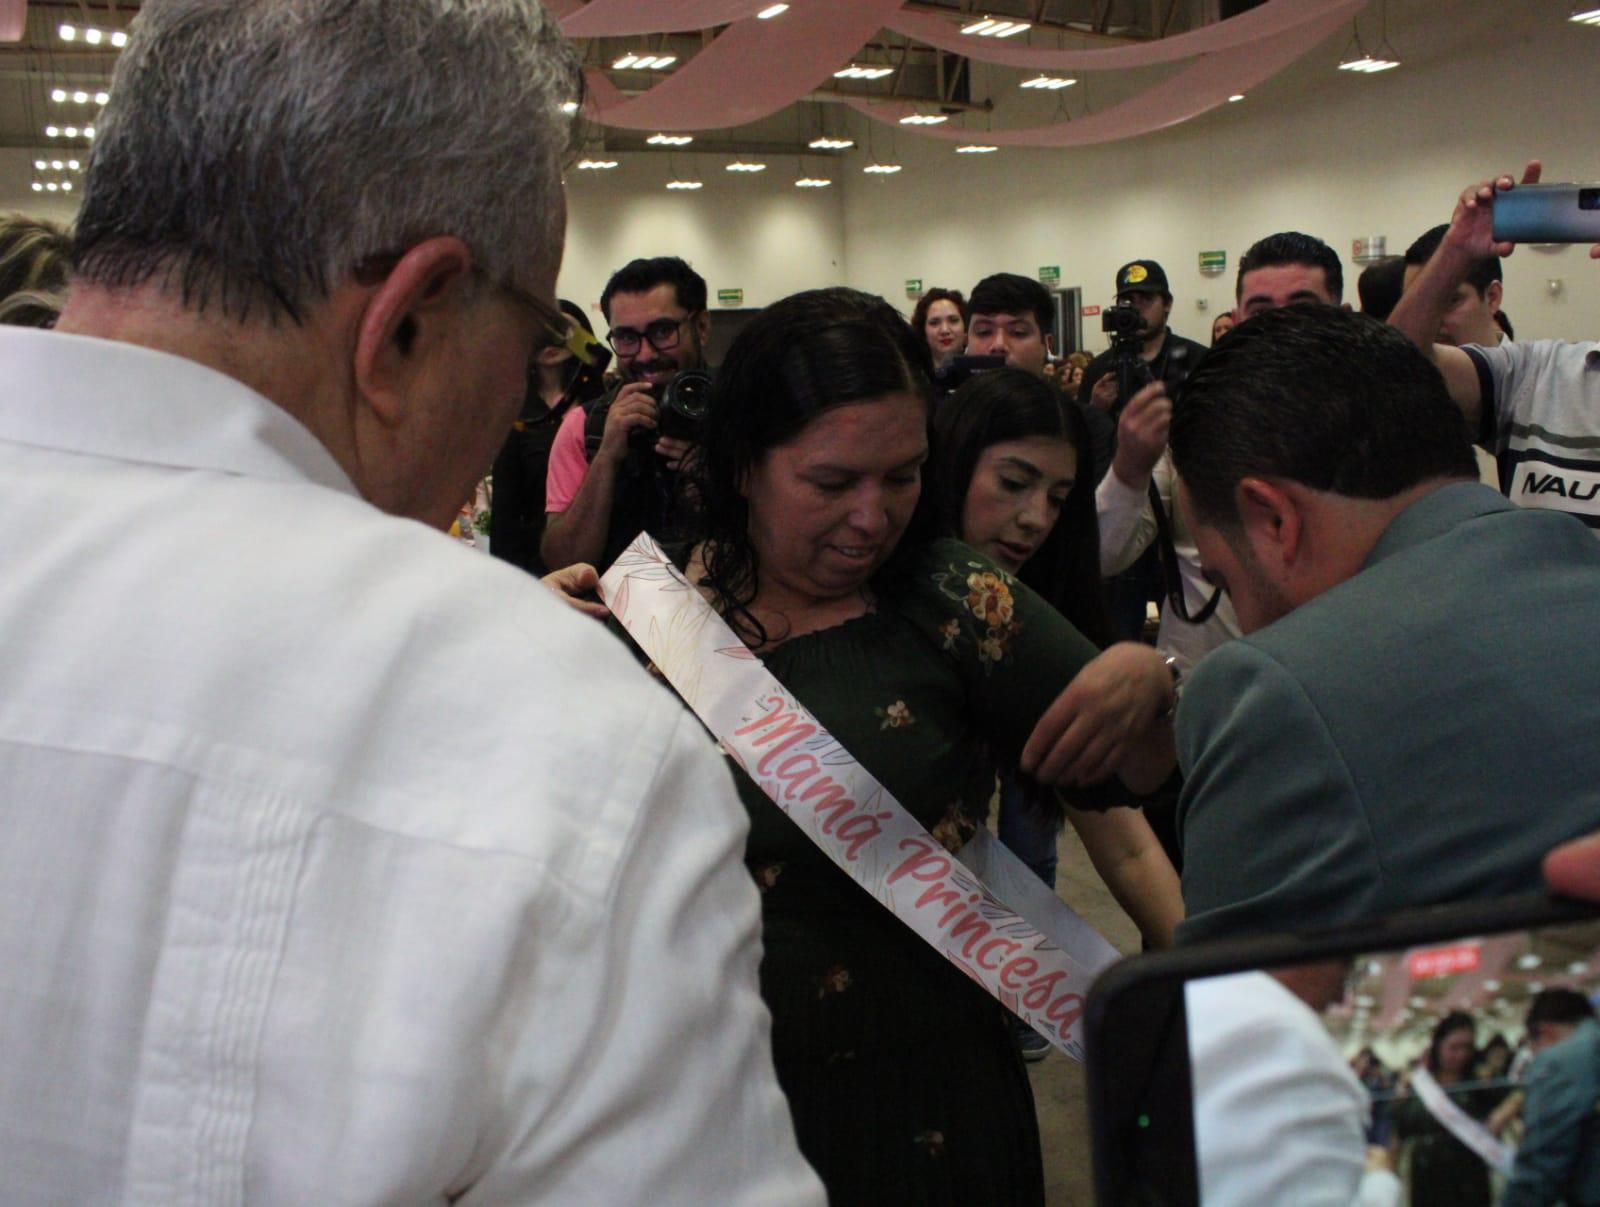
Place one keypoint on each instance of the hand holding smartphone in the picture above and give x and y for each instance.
(1548, 213)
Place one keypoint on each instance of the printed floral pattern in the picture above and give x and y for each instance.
(955, 829)
(984, 593)
(896, 716)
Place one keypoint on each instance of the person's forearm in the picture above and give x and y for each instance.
(1423, 305)
(1126, 524)
(1150, 760)
(1130, 861)
(578, 534)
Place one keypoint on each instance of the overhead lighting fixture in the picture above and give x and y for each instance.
(1356, 58)
(569, 106)
(990, 28)
(644, 62)
(772, 10)
(973, 148)
(812, 182)
(740, 165)
(831, 144)
(92, 36)
(855, 72)
(881, 169)
(1236, 98)
(923, 119)
(1585, 15)
(596, 165)
(1053, 83)
(670, 140)
(39, 165)
(685, 184)
(80, 97)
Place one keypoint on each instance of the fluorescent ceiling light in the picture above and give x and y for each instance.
(812, 182)
(596, 165)
(625, 62)
(882, 169)
(1237, 96)
(1585, 16)
(772, 10)
(1051, 82)
(740, 165)
(685, 184)
(37, 187)
(670, 140)
(975, 149)
(58, 95)
(854, 72)
(831, 144)
(923, 119)
(39, 165)
(569, 106)
(68, 33)
(990, 28)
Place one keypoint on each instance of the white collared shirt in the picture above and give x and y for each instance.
(339, 864)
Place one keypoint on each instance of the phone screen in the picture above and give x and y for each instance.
(1426, 1071)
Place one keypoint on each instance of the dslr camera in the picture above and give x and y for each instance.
(681, 405)
(1125, 326)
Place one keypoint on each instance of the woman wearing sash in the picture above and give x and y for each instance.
(928, 663)
(1439, 1169)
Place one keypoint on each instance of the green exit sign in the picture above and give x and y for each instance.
(913, 287)
(1050, 274)
(730, 297)
(1213, 261)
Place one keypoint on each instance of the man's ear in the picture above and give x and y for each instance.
(1493, 294)
(406, 317)
(1273, 521)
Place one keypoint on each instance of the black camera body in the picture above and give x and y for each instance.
(681, 406)
(1122, 323)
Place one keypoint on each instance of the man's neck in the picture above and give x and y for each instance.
(1153, 345)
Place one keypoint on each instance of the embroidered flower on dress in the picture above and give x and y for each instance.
(989, 599)
(955, 829)
(930, 1142)
(835, 980)
(895, 716)
(951, 632)
(767, 875)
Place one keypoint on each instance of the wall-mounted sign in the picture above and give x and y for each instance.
(1090, 312)
(913, 287)
(1050, 274)
(1373, 247)
(1213, 262)
(730, 297)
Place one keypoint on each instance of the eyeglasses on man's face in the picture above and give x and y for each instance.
(663, 335)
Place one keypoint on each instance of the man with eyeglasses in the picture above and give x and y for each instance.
(601, 491)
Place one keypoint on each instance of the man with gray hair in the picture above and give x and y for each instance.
(292, 916)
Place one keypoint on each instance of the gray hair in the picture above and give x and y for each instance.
(258, 151)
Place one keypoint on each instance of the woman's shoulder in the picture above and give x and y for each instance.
(945, 556)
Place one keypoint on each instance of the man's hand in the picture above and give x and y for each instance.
(1085, 734)
(1471, 230)
(1104, 394)
(1573, 869)
(673, 450)
(634, 406)
(1142, 434)
(571, 582)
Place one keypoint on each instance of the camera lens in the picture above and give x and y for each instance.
(1589, 199)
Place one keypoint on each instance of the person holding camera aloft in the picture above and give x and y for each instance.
(615, 461)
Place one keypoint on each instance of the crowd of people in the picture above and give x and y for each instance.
(274, 935)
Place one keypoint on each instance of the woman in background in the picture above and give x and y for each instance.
(1442, 1171)
(941, 319)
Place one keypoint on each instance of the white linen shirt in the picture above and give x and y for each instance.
(340, 864)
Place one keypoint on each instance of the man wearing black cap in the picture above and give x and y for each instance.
(1143, 286)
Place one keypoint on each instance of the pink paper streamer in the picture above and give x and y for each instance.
(753, 69)
(1186, 95)
(13, 19)
(620, 18)
(1273, 18)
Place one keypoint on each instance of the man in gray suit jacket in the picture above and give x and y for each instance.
(1412, 715)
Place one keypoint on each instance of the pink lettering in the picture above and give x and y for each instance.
(1065, 1010)
(1039, 992)
(1019, 969)
(990, 946)
(971, 923)
(928, 862)
(944, 896)
(857, 832)
(956, 909)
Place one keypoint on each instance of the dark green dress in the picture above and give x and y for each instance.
(903, 1076)
(1443, 1171)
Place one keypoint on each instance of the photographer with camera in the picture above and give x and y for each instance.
(1143, 348)
(615, 460)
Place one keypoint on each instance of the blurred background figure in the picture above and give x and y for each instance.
(941, 319)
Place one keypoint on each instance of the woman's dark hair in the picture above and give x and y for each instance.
(919, 316)
(1450, 1023)
(1010, 404)
(798, 358)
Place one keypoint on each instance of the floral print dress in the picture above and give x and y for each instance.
(902, 1075)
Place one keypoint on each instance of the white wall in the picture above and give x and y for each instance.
(754, 232)
(1486, 86)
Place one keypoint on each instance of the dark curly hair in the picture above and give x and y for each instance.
(798, 358)
(919, 316)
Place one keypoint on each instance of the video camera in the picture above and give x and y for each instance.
(1125, 326)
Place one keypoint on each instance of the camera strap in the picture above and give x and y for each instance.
(983, 910)
(1172, 571)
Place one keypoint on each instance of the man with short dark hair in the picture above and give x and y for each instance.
(1286, 268)
(1558, 1160)
(1408, 679)
(604, 486)
(1380, 285)
(1470, 316)
(276, 931)
(1534, 404)
(1011, 316)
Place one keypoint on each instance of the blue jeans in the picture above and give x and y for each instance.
(1030, 836)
